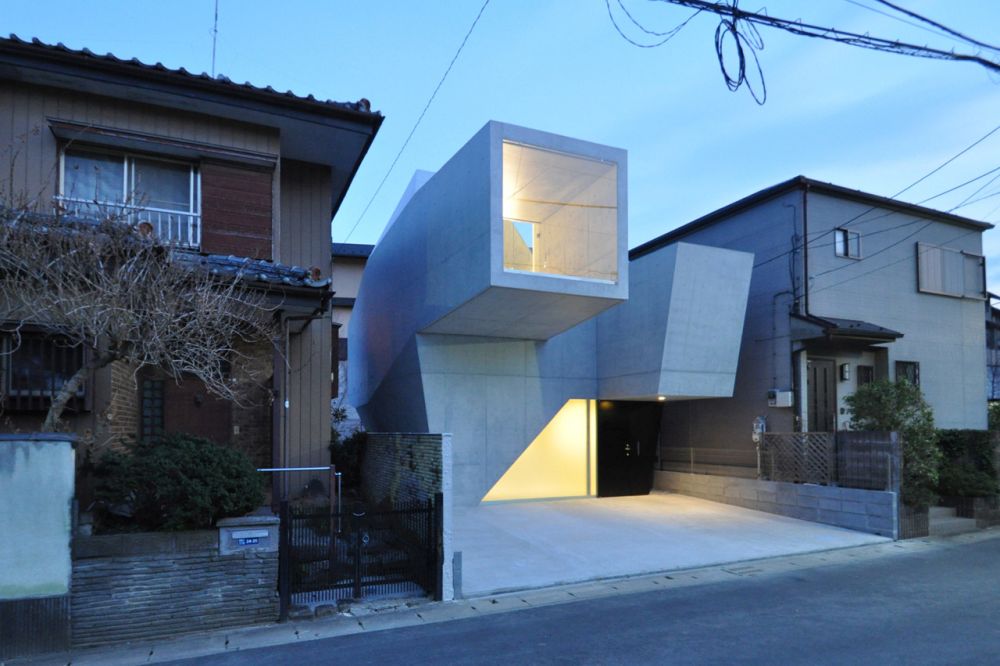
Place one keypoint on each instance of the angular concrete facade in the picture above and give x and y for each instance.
(502, 290)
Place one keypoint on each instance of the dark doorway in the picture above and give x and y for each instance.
(627, 436)
(822, 390)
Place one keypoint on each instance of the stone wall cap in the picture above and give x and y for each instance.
(38, 437)
(243, 521)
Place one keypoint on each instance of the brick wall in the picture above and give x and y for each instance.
(870, 511)
(401, 467)
(140, 586)
(123, 407)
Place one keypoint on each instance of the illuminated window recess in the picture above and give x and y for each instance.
(560, 462)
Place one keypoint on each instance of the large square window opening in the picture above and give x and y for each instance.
(560, 214)
(161, 195)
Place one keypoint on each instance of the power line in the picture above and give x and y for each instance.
(930, 173)
(667, 36)
(954, 33)
(901, 20)
(733, 19)
(419, 118)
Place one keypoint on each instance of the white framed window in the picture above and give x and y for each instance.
(164, 194)
(847, 243)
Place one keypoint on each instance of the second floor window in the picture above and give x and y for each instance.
(847, 243)
(161, 193)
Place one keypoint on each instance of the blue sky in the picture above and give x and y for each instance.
(866, 120)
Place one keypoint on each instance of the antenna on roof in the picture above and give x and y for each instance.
(215, 35)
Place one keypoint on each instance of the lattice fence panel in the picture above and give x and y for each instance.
(799, 457)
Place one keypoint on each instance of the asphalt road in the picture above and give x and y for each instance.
(941, 606)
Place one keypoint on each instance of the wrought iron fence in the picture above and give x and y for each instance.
(867, 460)
(351, 553)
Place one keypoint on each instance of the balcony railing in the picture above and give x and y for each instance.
(170, 226)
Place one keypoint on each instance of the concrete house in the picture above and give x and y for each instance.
(242, 178)
(847, 287)
(501, 306)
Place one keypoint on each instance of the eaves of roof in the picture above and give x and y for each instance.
(801, 183)
(359, 111)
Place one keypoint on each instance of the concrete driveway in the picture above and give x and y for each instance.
(521, 545)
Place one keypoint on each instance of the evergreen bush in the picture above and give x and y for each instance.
(178, 482)
(900, 407)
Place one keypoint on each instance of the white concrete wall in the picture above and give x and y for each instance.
(442, 339)
(36, 491)
(679, 333)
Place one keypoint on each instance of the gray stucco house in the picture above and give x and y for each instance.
(847, 287)
(501, 306)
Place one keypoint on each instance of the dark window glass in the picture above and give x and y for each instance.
(37, 366)
(908, 370)
(866, 375)
(151, 409)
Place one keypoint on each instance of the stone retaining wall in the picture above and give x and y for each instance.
(407, 467)
(870, 511)
(403, 467)
(140, 586)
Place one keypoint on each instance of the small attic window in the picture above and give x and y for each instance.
(847, 243)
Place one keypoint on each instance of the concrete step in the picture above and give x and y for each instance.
(948, 526)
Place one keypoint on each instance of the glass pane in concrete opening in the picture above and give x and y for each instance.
(560, 214)
(560, 462)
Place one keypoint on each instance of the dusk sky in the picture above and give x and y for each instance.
(862, 119)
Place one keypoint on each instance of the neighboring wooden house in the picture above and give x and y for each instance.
(348, 264)
(230, 172)
(847, 287)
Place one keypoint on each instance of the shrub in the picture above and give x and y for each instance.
(967, 469)
(180, 482)
(347, 453)
(993, 414)
(900, 407)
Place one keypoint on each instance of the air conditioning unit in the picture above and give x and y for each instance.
(778, 398)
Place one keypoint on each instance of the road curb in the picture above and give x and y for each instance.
(381, 615)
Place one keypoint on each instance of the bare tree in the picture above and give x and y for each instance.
(113, 288)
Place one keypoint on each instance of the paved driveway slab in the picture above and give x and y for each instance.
(520, 545)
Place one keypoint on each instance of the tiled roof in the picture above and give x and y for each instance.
(258, 270)
(223, 83)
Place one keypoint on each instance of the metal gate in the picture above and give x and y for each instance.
(352, 553)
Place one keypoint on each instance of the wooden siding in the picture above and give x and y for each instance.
(305, 241)
(236, 211)
(24, 110)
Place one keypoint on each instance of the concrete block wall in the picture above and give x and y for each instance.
(870, 511)
(407, 467)
(140, 586)
(402, 467)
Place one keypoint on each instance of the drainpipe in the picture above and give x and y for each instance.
(805, 246)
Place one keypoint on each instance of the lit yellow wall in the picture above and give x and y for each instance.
(559, 462)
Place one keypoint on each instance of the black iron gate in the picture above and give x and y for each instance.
(352, 553)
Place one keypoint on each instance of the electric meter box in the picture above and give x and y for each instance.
(777, 398)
